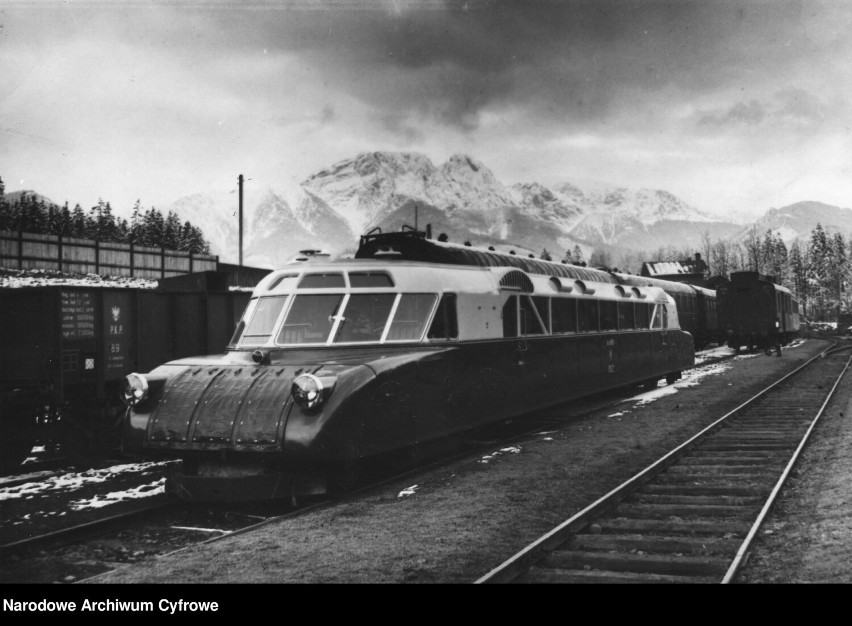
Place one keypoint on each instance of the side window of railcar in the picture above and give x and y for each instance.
(661, 317)
(643, 316)
(625, 315)
(510, 317)
(446, 324)
(542, 305)
(587, 316)
(365, 317)
(564, 315)
(310, 318)
(262, 322)
(530, 324)
(410, 318)
(609, 315)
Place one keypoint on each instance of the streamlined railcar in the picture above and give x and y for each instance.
(335, 363)
(755, 312)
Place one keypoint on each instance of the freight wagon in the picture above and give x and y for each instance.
(66, 350)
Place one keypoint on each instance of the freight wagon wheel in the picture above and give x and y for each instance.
(18, 436)
(650, 385)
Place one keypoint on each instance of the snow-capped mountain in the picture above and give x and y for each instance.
(462, 198)
(796, 221)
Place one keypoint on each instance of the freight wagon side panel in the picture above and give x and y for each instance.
(190, 323)
(220, 321)
(80, 361)
(28, 335)
(154, 330)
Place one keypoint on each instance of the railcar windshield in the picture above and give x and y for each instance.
(335, 318)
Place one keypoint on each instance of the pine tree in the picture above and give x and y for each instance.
(78, 222)
(135, 227)
(171, 231)
(545, 255)
(818, 271)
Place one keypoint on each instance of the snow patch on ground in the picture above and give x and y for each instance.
(142, 491)
(74, 481)
(490, 457)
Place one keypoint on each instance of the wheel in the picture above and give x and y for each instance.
(672, 377)
(650, 385)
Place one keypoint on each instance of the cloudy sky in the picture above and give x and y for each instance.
(732, 106)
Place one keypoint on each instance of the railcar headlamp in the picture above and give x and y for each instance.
(134, 389)
(307, 391)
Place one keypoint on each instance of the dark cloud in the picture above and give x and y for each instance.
(571, 62)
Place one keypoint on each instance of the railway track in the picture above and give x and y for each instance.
(691, 516)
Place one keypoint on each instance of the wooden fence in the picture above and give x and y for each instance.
(19, 250)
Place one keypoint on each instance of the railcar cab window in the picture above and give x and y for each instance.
(285, 282)
(310, 319)
(365, 317)
(411, 316)
(322, 281)
(262, 318)
(370, 279)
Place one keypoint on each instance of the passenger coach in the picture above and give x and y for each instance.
(334, 363)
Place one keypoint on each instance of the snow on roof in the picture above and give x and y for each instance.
(43, 278)
(667, 268)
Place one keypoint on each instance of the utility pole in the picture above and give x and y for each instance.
(240, 179)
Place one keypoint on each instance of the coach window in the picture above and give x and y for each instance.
(530, 323)
(262, 322)
(510, 317)
(445, 325)
(564, 315)
(587, 316)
